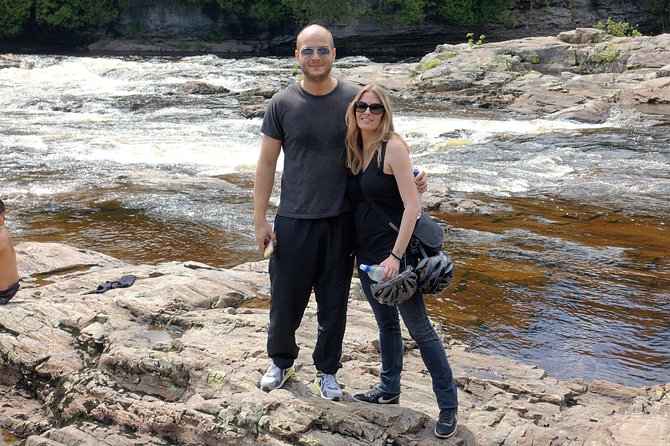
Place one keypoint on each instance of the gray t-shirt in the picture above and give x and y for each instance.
(312, 130)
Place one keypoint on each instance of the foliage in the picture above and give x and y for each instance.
(232, 6)
(470, 12)
(618, 29)
(508, 19)
(405, 11)
(609, 55)
(427, 65)
(305, 11)
(461, 12)
(77, 14)
(13, 13)
(97, 15)
(214, 35)
(272, 11)
(471, 39)
(660, 8)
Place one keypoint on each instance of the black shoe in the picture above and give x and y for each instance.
(378, 396)
(446, 424)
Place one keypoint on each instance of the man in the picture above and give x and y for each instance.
(9, 275)
(313, 230)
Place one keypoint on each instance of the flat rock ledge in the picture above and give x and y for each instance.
(176, 359)
(583, 75)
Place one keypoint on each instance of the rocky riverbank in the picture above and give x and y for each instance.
(584, 75)
(176, 359)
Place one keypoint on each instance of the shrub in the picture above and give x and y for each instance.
(471, 40)
(427, 65)
(608, 55)
(618, 29)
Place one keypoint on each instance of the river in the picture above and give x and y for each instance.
(570, 270)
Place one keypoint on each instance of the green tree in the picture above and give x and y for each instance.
(13, 14)
(80, 15)
(326, 11)
(470, 12)
(272, 11)
(405, 11)
(661, 8)
(232, 6)
(461, 12)
(302, 11)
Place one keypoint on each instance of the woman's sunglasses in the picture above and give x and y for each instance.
(375, 109)
(321, 51)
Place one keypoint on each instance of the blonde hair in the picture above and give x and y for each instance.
(385, 131)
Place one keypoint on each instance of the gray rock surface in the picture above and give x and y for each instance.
(552, 76)
(177, 357)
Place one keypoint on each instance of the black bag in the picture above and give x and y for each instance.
(427, 238)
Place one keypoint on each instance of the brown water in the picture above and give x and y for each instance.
(7, 438)
(521, 295)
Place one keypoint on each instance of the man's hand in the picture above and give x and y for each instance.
(421, 181)
(264, 236)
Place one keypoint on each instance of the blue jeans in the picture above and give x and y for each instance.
(413, 312)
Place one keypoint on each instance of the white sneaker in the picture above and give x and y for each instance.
(275, 377)
(328, 386)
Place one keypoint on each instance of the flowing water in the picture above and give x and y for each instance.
(570, 270)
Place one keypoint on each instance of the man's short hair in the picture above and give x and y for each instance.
(2, 207)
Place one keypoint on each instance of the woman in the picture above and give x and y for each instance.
(378, 159)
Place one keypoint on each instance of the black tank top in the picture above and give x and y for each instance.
(374, 238)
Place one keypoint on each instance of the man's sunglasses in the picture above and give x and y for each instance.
(321, 51)
(375, 109)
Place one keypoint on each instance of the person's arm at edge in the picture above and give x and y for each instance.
(263, 183)
(401, 166)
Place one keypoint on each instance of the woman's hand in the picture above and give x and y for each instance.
(391, 268)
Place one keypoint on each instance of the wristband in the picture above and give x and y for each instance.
(395, 256)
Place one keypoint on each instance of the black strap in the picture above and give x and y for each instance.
(384, 217)
(380, 213)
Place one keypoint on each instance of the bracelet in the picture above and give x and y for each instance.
(395, 256)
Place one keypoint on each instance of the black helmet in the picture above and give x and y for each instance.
(434, 273)
(396, 290)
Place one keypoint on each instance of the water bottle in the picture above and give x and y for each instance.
(375, 272)
(419, 195)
